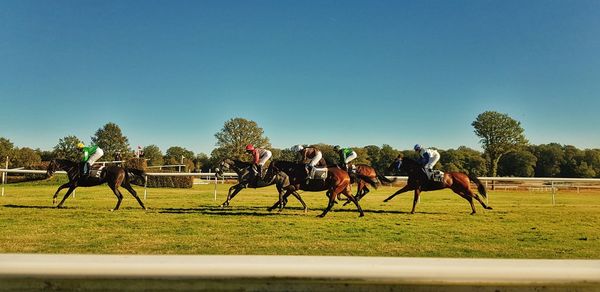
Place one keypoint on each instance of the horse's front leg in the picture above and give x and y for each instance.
(71, 189)
(237, 188)
(406, 188)
(278, 203)
(416, 200)
(58, 190)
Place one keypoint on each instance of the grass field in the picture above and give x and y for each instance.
(189, 221)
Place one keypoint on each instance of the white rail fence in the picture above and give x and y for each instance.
(533, 184)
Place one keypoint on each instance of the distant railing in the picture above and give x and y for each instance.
(535, 184)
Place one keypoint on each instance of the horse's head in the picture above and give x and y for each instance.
(226, 164)
(396, 164)
(52, 168)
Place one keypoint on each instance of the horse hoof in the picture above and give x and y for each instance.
(489, 208)
(473, 213)
(321, 216)
(361, 215)
(112, 210)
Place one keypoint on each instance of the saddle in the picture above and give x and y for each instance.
(437, 175)
(95, 170)
(318, 173)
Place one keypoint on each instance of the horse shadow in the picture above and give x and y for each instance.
(33, 207)
(227, 211)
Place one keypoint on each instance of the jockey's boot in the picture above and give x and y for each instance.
(85, 173)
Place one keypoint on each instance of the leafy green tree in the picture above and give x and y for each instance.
(6, 150)
(284, 154)
(25, 157)
(517, 163)
(592, 158)
(111, 140)
(202, 162)
(154, 155)
(235, 135)
(45, 155)
(570, 166)
(549, 159)
(381, 158)
(463, 159)
(499, 135)
(67, 148)
(175, 154)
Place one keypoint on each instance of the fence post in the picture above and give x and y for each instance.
(216, 181)
(4, 176)
(553, 193)
(145, 185)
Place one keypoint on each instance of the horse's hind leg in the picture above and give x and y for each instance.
(58, 190)
(130, 189)
(416, 200)
(329, 205)
(354, 200)
(119, 197)
(71, 188)
(301, 201)
(406, 188)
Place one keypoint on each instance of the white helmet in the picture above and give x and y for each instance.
(297, 148)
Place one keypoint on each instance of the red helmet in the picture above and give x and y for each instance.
(249, 147)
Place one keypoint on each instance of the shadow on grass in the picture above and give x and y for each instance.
(33, 207)
(227, 211)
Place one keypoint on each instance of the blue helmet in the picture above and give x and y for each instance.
(417, 147)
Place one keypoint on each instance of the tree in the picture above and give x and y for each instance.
(517, 163)
(6, 149)
(25, 157)
(381, 158)
(154, 155)
(235, 135)
(549, 159)
(202, 162)
(175, 154)
(499, 135)
(67, 148)
(111, 140)
(463, 159)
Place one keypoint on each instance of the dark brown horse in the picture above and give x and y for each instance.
(114, 176)
(291, 177)
(458, 182)
(245, 179)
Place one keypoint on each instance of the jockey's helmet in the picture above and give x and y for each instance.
(80, 145)
(297, 148)
(249, 147)
(336, 147)
(417, 147)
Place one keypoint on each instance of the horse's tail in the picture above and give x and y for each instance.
(384, 179)
(135, 176)
(368, 179)
(480, 186)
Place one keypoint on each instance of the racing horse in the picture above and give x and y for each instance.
(291, 177)
(458, 182)
(114, 176)
(244, 177)
(365, 176)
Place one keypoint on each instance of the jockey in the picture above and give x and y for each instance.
(91, 154)
(427, 158)
(259, 158)
(346, 155)
(311, 156)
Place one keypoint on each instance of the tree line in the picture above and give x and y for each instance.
(506, 151)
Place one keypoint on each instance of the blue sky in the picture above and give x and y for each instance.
(339, 72)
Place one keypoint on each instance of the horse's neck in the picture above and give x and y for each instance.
(70, 167)
(240, 166)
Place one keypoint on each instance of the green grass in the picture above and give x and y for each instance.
(188, 221)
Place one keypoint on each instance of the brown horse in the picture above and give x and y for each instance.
(114, 176)
(458, 182)
(291, 177)
(365, 176)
